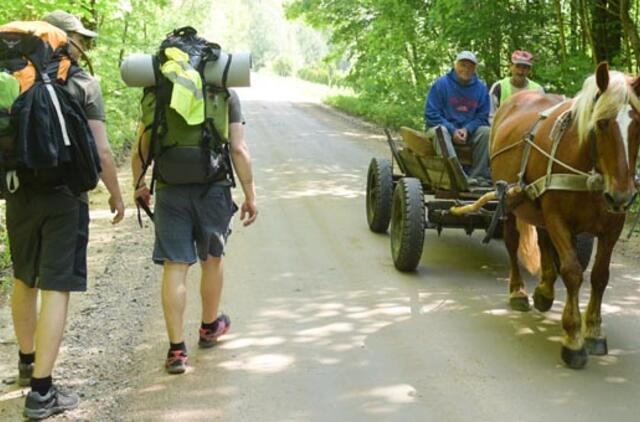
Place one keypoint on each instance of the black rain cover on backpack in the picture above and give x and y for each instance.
(40, 145)
(45, 114)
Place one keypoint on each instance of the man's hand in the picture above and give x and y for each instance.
(249, 210)
(117, 206)
(144, 193)
(460, 136)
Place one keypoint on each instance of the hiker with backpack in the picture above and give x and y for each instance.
(192, 131)
(54, 150)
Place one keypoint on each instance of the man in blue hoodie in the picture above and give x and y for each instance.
(459, 102)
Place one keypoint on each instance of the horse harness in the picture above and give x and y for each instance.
(577, 180)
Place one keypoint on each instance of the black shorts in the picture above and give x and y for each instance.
(48, 236)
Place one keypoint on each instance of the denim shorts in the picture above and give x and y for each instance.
(191, 222)
(48, 235)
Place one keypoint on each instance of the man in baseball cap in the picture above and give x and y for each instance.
(520, 67)
(52, 273)
(81, 37)
(467, 55)
(458, 102)
(68, 23)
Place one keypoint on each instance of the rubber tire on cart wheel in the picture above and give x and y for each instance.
(379, 194)
(407, 224)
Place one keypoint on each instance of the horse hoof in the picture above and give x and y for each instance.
(519, 303)
(541, 302)
(596, 346)
(575, 359)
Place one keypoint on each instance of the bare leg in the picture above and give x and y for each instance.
(49, 331)
(174, 299)
(211, 288)
(24, 310)
(518, 299)
(544, 293)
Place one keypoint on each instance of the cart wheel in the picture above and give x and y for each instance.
(407, 224)
(379, 194)
(584, 246)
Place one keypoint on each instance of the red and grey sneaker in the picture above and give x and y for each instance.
(176, 361)
(209, 338)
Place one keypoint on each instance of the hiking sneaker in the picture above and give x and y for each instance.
(55, 401)
(209, 338)
(176, 361)
(24, 374)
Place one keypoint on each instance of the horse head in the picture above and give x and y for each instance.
(608, 117)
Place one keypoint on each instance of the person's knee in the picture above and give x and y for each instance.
(175, 269)
(482, 132)
(211, 261)
(23, 287)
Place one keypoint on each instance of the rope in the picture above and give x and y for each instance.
(555, 160)
(507, 148)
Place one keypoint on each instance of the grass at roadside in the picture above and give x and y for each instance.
(388, 115)
(5, 257)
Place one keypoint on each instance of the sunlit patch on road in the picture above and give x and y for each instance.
(267, 363)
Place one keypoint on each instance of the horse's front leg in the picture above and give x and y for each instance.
(544, 293)
(595, 340)
(518, 298)
(574, 353)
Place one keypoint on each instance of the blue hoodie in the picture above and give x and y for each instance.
(453, 105)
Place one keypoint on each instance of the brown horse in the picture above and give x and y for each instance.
(593, 140)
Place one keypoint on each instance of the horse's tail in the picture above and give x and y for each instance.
(528, 249)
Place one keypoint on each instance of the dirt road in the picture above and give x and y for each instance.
(323, 327)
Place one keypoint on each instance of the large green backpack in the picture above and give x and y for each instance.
(184, 153)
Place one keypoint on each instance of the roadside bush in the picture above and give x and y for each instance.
(5, 256)
(314, 74)
(385, 114)
(321, 74)
(282, 66)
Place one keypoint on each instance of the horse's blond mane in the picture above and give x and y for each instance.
(586, 113)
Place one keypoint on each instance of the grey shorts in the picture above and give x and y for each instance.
(48, 236)
(191, 222)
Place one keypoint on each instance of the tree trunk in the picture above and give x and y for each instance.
(630, 30)
(563, 46)
(577, 38)
(586, 27)
(606, 29)
(124, 37)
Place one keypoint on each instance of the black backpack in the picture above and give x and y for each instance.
(51, 144)
(186, 154)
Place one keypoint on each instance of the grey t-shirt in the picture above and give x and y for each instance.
(235, 109)
(86, 89)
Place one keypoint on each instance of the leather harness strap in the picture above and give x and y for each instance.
(577, 180)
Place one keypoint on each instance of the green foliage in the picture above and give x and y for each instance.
(381, 113)
(321, 73)
(396, 49)
(315, 74)
(5, 256)
(282, 66)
